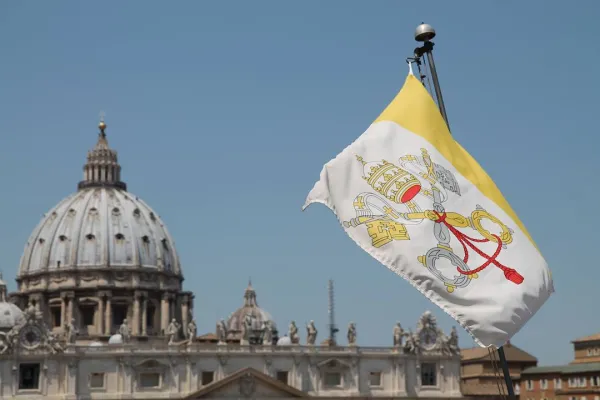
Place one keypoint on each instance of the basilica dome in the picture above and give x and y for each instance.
(100, 226)
(251, 308)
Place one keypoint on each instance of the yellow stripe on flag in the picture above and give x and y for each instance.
(414, 109)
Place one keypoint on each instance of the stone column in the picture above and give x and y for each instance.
(108, 317)
(145, 315)
(71, 299)
(164, 313)
(185, 312)
(135, 328)
(63, 310)
(100, 319)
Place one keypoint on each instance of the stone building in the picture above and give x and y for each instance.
(100, 313)
(578, 380)
(479, 378)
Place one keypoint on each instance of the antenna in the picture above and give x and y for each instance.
(331, 310)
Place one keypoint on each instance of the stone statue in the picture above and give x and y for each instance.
(222, 331)
(311, 333)
(173, 331)
(5, 344)
(53, 344)
(71, 331)
(267, 331)
(192, 331)
(412, 343)
(451, 343)
(398, 335)
(246, 329)
(124, 331)
(352, 334)
(293, 333)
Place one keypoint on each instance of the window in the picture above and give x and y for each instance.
(150, 313)
(589, 352)
(333, 379)
(572, 398)
(582, 382)
(544, 384)
(207, 377)
(517, 388)
(557, 383)
(87, 314)
(529, 384)
(583, 398)
(595, 381)
(428, 374)
(375, 379)
(29, 376)
(97, 380)
(56, 320)
(149, 380)
(572, 382)
(282, 376)
(119, 313)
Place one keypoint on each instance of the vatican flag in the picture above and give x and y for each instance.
(409, 195)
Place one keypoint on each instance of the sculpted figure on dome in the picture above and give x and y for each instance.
(293, 333)
(222, 331)
(352, 334)
(311, 333)
(173, 331)
(124, 331)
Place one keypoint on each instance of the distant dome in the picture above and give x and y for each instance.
(10, 314)
(115, 339)
(100, 226)
(284, 341)
(250, 307)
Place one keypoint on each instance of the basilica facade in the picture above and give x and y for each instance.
(100, 313)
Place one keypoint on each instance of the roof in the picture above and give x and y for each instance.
(563, 369)
(512, 353)
(482, 389)
(274, 383)
(590, 338)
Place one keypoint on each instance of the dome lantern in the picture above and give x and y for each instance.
(102, 168)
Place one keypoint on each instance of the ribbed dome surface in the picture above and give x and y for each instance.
(250, 307)
(99, 227)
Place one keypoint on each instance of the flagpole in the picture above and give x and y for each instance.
(425, 33)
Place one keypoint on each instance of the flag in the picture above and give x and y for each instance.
(409, 195)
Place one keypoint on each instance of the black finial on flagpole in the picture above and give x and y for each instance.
(425, 33)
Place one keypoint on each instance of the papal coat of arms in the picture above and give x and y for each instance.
(413, 191)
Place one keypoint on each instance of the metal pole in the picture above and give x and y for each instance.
(424, 33)
(509, 385)
(436, 85)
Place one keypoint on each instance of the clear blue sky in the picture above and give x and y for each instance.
(224, 112)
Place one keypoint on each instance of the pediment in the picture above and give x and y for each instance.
(334, 364)
(247, 383)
